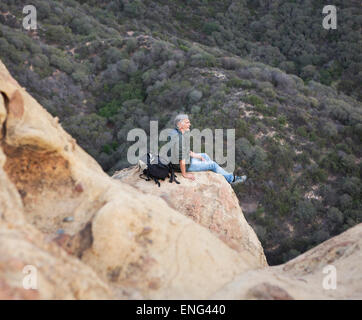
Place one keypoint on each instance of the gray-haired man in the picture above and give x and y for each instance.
(185, 160)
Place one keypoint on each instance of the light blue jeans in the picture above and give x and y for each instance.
(197, 165)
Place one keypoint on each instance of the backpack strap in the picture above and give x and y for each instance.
(174, 179)
(145, 173)
(156, 181)
(148, 160)
(142, 177)
(173, 176)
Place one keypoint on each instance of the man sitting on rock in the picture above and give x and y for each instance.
(185, 161)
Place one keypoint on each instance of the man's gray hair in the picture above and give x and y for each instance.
(179, 118)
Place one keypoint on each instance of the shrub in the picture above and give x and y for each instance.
(253, 100)
(230, 63)
(239, 83)
(110, 148)
(314, 103)
(270, 93)
(261, 232)
(291, 254)
(40, 61)
(61, 63)
(90, 131)
(317, 174)
(184, 47)
(241, 128)
(347, 163)
(203, 60)
(282, 120)
(329, 129)
(306, 211)
(81, 25)
(134, 8)
(288, 66)
(41, 65)
(131, 45)
(80, 76)
(329, 195)
(34, 48)
(127, 66)
(309, 72)
(4, 45)
(282, 80)
(255, 157)
(320, 236)
(17, 42)
(113, 55)
(345, 201)
(210, 27)
(259, 159)
(335, 215)
(302, 131)
(342, 111)
(57, 34)
(352, 186)
(195, 96)
(259, 105)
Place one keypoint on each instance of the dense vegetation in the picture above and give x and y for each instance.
(105, 67)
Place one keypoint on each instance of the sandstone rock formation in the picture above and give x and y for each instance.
(308, 276)
(209, 201)
(59, 276)
(135, 242)
(301, 278)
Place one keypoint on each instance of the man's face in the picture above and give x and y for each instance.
(185, 124)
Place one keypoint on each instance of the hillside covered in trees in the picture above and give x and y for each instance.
(291, 89)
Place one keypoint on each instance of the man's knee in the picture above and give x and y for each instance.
(205, 156)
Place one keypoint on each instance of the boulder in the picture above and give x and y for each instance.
(308, 276)
(25, 252)
(209, 201)
(142, 243)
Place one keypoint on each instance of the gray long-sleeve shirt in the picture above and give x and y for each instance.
(180, 148)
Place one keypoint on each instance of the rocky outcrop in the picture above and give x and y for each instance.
(135, 242)
(210, 202)
(309, 276)
(58, 275)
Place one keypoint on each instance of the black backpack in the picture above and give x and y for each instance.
(158, 169)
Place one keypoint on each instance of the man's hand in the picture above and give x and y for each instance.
(196, 155)
(184, 173)
(189, 176)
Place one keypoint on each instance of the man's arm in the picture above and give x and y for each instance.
(183, 171)
(196, 155)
